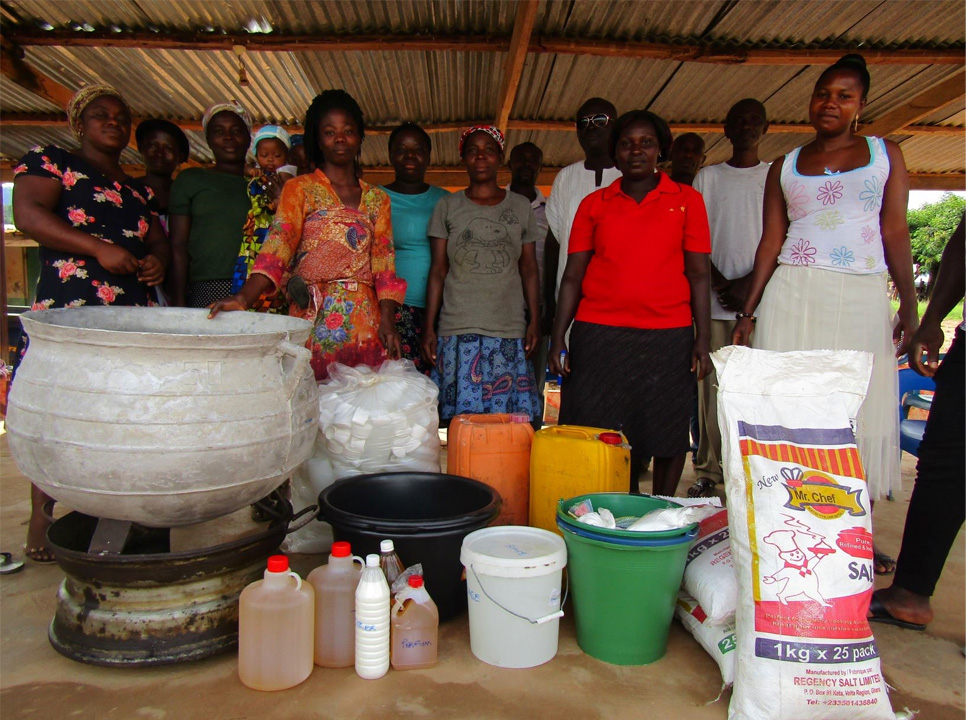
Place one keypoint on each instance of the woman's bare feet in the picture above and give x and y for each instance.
(41, 507)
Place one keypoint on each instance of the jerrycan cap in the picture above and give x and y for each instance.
(278, 564)
(341, 549)
(610, 438)
(519, 418)
(415, 581)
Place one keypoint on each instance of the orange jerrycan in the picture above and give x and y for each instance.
(571, 460)
(494, 449)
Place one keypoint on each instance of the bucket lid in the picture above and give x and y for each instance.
(514, 551)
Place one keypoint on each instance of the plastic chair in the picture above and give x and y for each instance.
(911, 385)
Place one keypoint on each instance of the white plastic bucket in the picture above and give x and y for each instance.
(513, 585)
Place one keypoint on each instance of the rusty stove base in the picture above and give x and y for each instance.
(149, 606)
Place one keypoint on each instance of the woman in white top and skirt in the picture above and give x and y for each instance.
(834, 223)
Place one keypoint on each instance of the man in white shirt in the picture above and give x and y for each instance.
(733, 194)
(595, 122)
(525, 163)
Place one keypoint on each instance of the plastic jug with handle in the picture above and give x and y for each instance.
(276, 624)
(335, 586)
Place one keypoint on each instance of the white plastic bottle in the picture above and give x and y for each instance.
(415, 627)
(276, 629)
(372, 621)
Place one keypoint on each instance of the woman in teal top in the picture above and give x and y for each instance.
(413, 202)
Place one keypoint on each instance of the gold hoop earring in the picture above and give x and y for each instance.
(855, 124)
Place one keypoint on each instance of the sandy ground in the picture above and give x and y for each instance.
(926, 669)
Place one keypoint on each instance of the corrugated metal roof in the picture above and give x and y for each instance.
(14, 98)
(449, 86)
(934, 154)
(629, 19)
(286, 16)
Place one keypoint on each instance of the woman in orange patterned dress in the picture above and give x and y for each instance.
(330, 247)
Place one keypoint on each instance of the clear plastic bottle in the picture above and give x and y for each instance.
(415, 627)
(389, 561)
(276, 619)
(335, 607)
(372, 621)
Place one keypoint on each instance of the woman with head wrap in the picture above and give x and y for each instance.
(330, 247)
(482, 276)
(208, 211)
(100, 239)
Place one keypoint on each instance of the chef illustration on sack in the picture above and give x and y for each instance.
(801, 552)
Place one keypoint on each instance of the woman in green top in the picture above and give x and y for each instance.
(413, 202)
(208, 210)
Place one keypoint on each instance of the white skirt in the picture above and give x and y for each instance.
(814, 309)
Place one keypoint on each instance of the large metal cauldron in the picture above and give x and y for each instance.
(160, 415)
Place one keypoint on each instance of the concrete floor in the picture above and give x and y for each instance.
(926, 669)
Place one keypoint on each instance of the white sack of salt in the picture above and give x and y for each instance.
(801, 540)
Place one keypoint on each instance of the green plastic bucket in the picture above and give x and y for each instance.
(624, 595)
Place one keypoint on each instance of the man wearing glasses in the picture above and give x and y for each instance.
(595, 122)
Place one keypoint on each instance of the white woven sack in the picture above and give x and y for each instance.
(801, 541)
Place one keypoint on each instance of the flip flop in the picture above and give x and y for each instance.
(40, 555)
(8, 564)
(703, 487)
(878, 613)
(880, 559)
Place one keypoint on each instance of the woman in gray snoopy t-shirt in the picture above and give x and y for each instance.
(482, 278)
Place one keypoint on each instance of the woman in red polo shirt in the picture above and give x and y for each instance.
(637, 278)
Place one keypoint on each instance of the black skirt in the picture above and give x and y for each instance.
(633, 380)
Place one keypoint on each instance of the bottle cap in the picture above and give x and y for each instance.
(372, 560)
(519, 418)
(611, 438)
(386, 546)
(415, 581)
(341, 549)
(278, 564)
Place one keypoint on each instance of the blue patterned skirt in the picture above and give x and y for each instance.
(480, 374)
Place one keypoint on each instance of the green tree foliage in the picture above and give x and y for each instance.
(930, 228)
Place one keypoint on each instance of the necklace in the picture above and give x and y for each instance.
(832, 172)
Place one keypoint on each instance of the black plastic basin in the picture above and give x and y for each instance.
(426, 515)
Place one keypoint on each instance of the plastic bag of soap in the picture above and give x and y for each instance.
(672, 518)
(375, 420)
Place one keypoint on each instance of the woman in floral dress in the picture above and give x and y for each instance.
(330, 247)
(100, 240)
(834, 224)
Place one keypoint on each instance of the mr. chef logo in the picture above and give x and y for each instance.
(820, 495)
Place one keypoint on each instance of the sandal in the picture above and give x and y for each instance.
(41, 555)
(882, 564)
(8, 564)
(703, 488)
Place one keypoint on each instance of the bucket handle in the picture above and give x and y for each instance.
(537, 621)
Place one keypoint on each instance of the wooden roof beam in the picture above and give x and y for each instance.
(516, 57)
(13, 67)
(721, 54)
(52, 120)
(926, 103)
